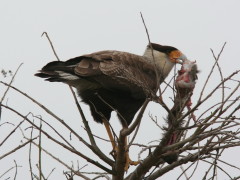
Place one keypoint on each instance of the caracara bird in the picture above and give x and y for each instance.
(115, 81)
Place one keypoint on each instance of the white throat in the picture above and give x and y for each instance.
(162, 61)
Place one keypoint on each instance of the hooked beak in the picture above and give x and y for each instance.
(181, 59)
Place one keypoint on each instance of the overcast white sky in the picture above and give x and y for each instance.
(77, 27)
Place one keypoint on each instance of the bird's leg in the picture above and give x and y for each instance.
(128, 160)
(107, 126)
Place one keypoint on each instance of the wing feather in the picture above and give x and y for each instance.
(119, 70)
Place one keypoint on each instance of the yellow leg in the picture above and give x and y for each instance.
(106, 124)
(128, 160)
(115, 148)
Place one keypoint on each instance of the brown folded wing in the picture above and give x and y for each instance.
(116, 70)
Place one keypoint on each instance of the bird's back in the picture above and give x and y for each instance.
(113, 70)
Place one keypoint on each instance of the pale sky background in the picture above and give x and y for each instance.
(77, 27)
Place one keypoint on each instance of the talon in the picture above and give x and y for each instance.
(129, 162)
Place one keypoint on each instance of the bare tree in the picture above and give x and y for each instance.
(194, 133)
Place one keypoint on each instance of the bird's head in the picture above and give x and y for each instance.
(164, 57)
(177, 56)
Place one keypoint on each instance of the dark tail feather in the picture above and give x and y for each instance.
(58, 71)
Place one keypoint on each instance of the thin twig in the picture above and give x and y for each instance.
(13, 77)
(61, 162)
(11, 133)
(219, 69)
(17, 148)
(30, 153)
(154, 61)
(50, 173)
(85, 122)
(128, 131)
(46, 34)
(184, 172)
(62, 144)
(40, 151)
(210, 73)
(16, 167)
(8, 171)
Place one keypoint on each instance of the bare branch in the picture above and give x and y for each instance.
(127, 131)
(17, 148)
(216, 61)
(40, 151)
(29, 155)
(14, 167)
(61, 144)
(46, 34)
(11, 133)
(5, 93)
